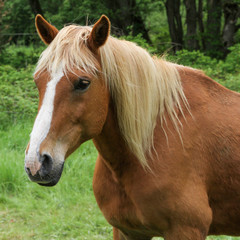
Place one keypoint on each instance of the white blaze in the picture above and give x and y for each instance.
(43, 120)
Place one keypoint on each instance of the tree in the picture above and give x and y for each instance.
(231, 15)
(207, 36)
(191, 21)
(213, 28)
(1, 37)
(175, 23)
(36, 7)
(17, 21)
(126, 17)
(200, 23)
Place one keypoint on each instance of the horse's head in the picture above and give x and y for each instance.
(73, 101)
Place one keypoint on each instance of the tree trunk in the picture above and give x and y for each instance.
(231, 14)
(36, 7)
(200, 23)
(174, 23)
(1, 38)
(213, 35)
(191, 20)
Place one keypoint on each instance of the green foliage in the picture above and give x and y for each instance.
(74, 11)
(140, 41)
(195, 59)
(232, 61)
(18, 19)
(155, 19)
(147, 18)
(19, 96)
(21, 56)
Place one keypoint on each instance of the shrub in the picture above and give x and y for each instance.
(232, 61)
(20, 56)
(230, 81)
(195, 59)
(19, 95)
(140, 41)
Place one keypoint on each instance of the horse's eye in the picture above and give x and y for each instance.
(82, 84)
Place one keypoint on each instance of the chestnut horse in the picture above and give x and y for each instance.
(168, 136)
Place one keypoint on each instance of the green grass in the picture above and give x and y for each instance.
(29, 211)
(67, 211)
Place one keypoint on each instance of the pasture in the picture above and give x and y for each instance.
(68, 210)
(29, 211)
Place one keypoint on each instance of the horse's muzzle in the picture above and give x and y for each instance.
(44, 172)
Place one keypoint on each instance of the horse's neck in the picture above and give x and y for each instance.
(112, 148)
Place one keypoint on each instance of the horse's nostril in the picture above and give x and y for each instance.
(47, 162)
(28, 171)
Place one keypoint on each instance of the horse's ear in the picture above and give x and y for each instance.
(100, 33)
(45, 30)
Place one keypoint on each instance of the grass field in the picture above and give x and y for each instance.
(67, 211)
(28, 211)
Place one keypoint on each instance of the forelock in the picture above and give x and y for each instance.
(69, 52)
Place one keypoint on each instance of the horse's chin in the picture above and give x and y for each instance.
(49, 184)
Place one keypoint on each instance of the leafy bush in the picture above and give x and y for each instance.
(195, 59)
(232, 61)
(20, 56)
(230, 81)
(140, 41)
(19, 96)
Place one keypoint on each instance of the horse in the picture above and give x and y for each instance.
(167, 135)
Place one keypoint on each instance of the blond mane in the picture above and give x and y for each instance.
(142, 87)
